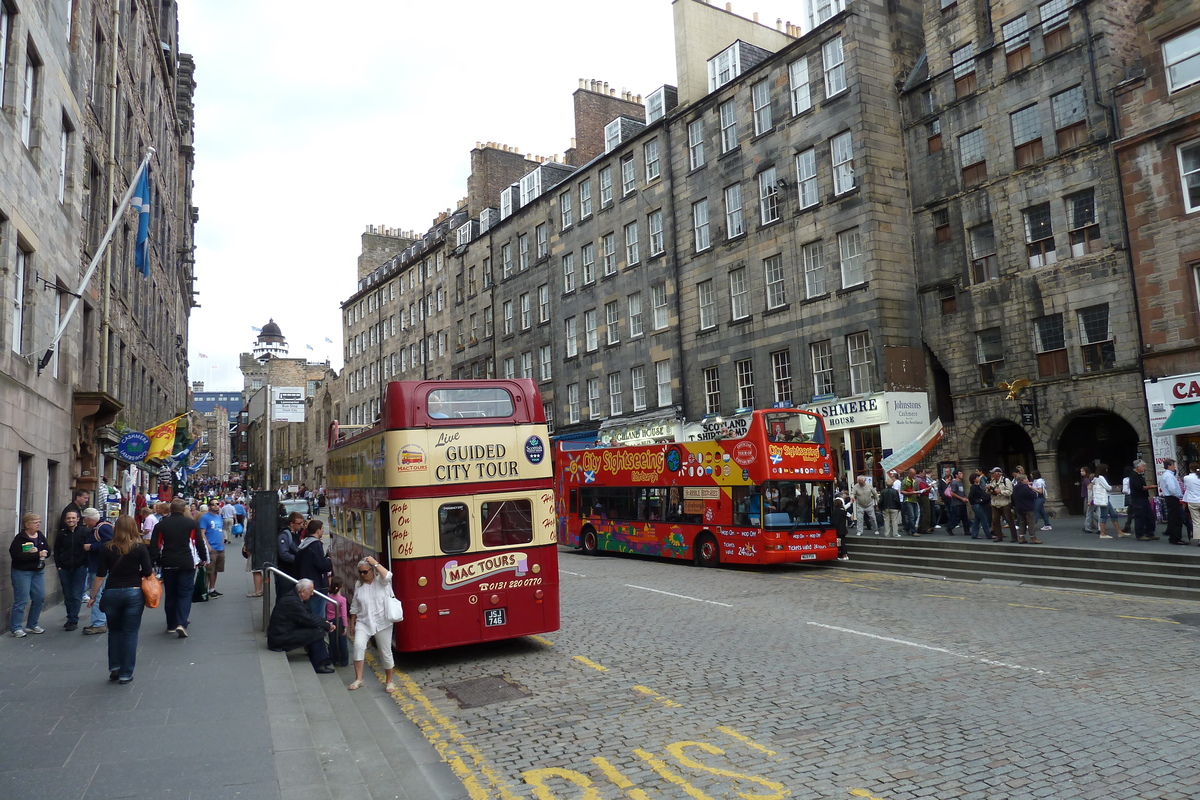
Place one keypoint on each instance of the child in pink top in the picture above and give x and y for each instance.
(338, 614)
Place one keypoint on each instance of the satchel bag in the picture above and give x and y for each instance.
(151, 591)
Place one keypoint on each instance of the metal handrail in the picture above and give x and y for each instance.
(269, 567)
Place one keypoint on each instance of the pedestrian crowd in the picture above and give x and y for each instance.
(988, 505)
(102, 564)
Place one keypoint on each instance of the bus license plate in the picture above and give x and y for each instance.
(495, 616)
(807, 556)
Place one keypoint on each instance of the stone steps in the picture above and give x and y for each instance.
(1151, 574)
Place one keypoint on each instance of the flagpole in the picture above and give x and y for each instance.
(87, 277)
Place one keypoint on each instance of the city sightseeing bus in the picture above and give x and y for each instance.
(453, 489)
(755, 489)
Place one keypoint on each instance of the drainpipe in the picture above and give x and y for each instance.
(110, 168)
(670, 225)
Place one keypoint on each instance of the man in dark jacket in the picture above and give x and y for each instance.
(292, 625)
(171, 547)
(79, 501)
(313, 563)
(287, 546)
(72, 562)
(1024, 501)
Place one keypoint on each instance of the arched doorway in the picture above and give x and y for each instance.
(1006, 444)
(1091, 438)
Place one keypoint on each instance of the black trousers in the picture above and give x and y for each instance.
(1174, 518)
(1143, 517)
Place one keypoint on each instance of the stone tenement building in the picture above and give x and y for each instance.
(86, 87)
(1158, 148)
(888, 217)
(297, 446)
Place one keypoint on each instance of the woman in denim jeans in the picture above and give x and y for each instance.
(28, 550)
(979, 504)
(124, 561)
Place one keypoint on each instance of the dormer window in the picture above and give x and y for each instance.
(531, 186)
(724, 67)
(612, 135)
(506, 203)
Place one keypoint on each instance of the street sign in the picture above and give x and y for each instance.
(285, 478)
(1029, 415)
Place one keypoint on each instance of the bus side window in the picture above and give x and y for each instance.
(574, 507)
(506, 522)
(454, 531)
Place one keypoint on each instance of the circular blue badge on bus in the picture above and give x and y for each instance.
(535, 451)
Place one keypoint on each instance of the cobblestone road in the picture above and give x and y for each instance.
(671, 681)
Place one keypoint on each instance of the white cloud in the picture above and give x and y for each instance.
(314, 120)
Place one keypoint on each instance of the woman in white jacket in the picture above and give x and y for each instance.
(1100, 499)
(368, 618)
(1191, 496)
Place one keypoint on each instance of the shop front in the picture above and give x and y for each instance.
(1174, 412)
(863, 431)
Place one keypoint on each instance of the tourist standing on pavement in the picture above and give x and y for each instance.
(28, 551)
(314, 564)
(212, 526)
(956, 503)
(842, 505)
(171, 548)
(286, 547)
(102, 533)
(911, 509)
(1000, 490)
(1191, 496)
(369, 619)
(1171, 493)
(1103, 504)
(864, 506)
(1090, 512)
(228, 518)
(124, 561)
(72, 562)
(1039, 485)
(1024, 501)
(981, 527)
(1139, 502)
(338, 612)
(889, 504)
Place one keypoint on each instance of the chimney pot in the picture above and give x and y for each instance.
(729, 7)
(756, 16)
(779, 24)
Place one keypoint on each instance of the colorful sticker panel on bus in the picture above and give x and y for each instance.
(695, 462)
(460, 456)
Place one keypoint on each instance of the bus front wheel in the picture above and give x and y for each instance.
(707, 552)
(588, 543)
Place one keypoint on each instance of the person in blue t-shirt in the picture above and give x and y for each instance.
(214, 534)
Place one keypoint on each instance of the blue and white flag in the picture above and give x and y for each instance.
(255, 329)
(309, 346)
(185, 452)
(329, 340)
(141, 203)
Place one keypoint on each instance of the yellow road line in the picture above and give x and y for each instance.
(541, 641)
(1148, 619)
(658, 698)
(589, 663)
(618, 779)
(744, 739)
(479, 777)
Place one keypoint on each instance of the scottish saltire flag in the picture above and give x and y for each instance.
(141, 203)
(309, 346)
(329, 340)
(255, 329)
(185, 452)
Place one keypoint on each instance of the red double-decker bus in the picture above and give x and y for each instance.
(454, 488)
(755, 489)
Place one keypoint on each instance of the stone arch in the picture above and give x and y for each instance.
(1089, 436)
(1004, 443)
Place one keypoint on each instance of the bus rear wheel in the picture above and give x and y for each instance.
(706, 550)
(589, 543)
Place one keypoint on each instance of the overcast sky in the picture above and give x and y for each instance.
(314, 120)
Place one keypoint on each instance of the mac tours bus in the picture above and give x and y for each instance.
(754, 489)
(453, 487)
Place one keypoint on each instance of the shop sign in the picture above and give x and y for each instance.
(851, 413)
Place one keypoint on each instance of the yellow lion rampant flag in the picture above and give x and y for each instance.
(162, 439)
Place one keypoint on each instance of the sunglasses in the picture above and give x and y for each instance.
(364, 572)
